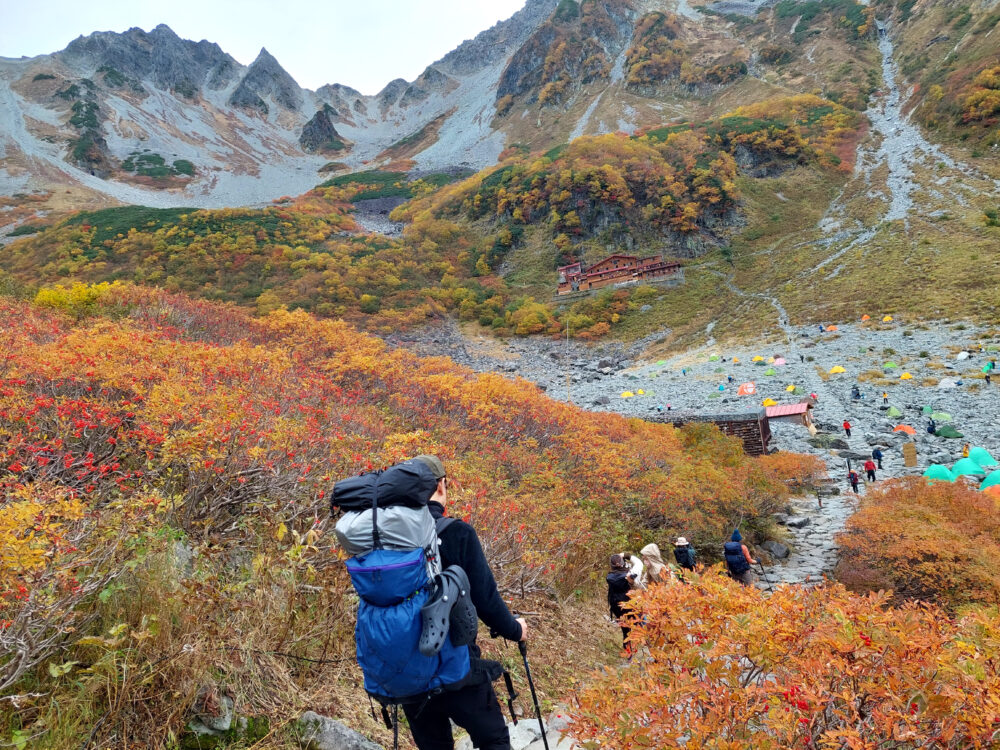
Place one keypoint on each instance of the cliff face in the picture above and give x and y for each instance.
(267, 80)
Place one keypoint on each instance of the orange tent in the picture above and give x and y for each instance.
(904, 428)
(865, 317)
(994, 490)
(747, 389)
(831, 328)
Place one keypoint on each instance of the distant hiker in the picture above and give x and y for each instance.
(885, 397)
(619, 580)
(738, 559)
(821, 329)
(853, 479)
(729, 378)
(877, 455)
(855, 393)
(684, 371)
(847, 428)
(965, 451)
(802, 358)
(870, 470)
(474, 707)
(932, 427)
(636, 568)
(684, 553)
(656, 570)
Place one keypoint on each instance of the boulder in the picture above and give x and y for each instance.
(318, 732)
(602, 401)
(826, 441)
(797, 522)
(775, 549)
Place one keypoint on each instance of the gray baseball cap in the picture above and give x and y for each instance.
(434, 464)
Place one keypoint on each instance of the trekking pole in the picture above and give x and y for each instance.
(764, 576)
(523, 648)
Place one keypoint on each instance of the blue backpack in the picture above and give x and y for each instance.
(393, 584)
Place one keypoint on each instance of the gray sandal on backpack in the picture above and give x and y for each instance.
(448, 613)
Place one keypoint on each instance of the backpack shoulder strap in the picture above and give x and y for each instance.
(443, 523)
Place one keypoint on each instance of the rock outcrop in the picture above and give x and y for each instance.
(320, 135)
(159, 56)
(266, 80)
(318, 732)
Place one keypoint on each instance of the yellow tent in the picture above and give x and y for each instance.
(906, 376)
(758, 358)
(887, 319)
(627, 394)
(641, 392)
(790, 388)
(736, 360)
(770, 402)
(770, 360)
(837, 370)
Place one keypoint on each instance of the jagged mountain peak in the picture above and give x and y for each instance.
(266, 79)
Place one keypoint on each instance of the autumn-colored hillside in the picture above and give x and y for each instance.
(469, 246)
(163, 512)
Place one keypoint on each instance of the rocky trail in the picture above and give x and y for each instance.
(599, 375)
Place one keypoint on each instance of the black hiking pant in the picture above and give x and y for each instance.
(871, 475)
(854, 486)
(848, 431)
(879, 463)
(474, 708)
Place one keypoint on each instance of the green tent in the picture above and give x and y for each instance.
(661, 362)
(948, 432)
(927, 410)
(714, 395)
(714, 358)
(941, 416)
(893, 412)
(982, 457)
(890, 366)
(797, 391)
(987, 367)
(967, 467)
(760, 363)
(993, 478)
(939, 473)
(770, 371)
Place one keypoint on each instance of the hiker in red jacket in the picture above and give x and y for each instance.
(870, 468)
(847, 428)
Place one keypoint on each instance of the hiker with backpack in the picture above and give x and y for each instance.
(423, 582)
(847, 427)
(738, 559)
(853, 479)
(656, 570)
(870, 470)
(684, 553)
(878, 456)
(620, 582)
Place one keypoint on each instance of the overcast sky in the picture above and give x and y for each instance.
(361, 43)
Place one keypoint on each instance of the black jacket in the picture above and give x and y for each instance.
(460, 546)
(618, 587)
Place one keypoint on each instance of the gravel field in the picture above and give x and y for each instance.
(600, 374)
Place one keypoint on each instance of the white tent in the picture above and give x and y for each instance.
(962, 355)
(947, 383)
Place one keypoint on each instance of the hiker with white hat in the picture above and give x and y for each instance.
(684, 553)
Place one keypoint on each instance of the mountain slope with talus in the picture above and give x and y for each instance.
(787, 152)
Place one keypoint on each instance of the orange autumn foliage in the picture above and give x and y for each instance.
(935, 541)
(724, 666)
(795, 469)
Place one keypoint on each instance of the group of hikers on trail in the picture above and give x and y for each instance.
(629, 572)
